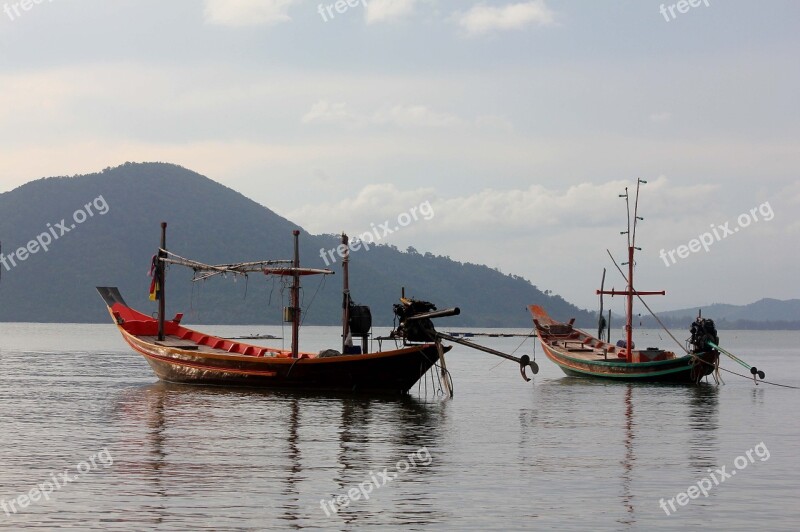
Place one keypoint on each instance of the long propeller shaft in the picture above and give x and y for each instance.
(523, 361)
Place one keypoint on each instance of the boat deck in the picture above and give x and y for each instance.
(593, 350)
(176, 342)
(578, 349)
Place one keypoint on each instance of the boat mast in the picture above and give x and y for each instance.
(629, 295)
(630, 291)
(296, 294)
(345, 292)
(161, 273)
(631, 251)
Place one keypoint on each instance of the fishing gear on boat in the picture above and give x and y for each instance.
(210, 270)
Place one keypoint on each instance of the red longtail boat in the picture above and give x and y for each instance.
(183, 355)
(579, 354)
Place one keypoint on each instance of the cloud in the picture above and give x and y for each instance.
(414, 116)
(513, 228)
(371, 206)
(483, 19)
(326, 112)
(494, 123)
(240, 13)
(791, 194)
(511, 210)
(388, 10)
(404, 116)
(660, 117)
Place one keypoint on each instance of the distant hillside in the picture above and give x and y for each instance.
(117, 232)
(763, 314)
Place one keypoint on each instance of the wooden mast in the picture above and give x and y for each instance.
(345, 292)
(296, 294)
(630, 292)
(629, 310)
(161, 273)
(631, 247)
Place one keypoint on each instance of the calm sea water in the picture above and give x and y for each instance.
(558, 453)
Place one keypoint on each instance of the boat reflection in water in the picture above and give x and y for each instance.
(580, 428)
(275, 455)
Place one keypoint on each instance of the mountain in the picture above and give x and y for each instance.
(63, 236)
(762, 314)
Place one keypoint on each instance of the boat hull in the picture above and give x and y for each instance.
(582, 355)
(187, 356)
(683, 370)
(387, 372)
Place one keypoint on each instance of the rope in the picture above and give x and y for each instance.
(695, 357)
(717, 368)
(517, 349)
(310, 303)
(759, 382)
(648, 306)
(731, 355)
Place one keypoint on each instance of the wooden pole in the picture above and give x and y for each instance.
(345, 292)
(600, 319)
(629, 323)
(296, 295)
(162, 275)
(445, 375)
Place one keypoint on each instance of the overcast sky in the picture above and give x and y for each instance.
(520, 122)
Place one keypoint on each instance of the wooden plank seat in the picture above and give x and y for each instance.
(178, 344)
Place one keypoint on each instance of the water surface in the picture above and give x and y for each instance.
(560, 452)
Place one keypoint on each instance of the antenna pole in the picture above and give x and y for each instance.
(628, 209)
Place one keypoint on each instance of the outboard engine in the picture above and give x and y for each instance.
(415, 319)
(703, 331)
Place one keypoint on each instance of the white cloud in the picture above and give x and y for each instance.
(660, 117)
(324, 111)
(405, 116)
(494, 123)
(238, 13)
(414, 116)
(513, 228)
(515, 210)
(388, 10)
(483, 19)
(791, 194)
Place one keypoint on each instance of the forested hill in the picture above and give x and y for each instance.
(772, 314)
(111, 240)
